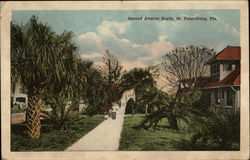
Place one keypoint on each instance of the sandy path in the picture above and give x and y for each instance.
(105, 136)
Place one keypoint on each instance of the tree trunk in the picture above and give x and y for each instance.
(33, 113)
(173, 122)
(146, 111)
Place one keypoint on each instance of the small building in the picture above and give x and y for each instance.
(19, 97)
(223, 85)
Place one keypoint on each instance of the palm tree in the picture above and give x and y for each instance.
(71, 88)
(40, 58)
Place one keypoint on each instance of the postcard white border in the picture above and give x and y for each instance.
(7, 7)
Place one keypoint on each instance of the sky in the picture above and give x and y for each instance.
(139, 43)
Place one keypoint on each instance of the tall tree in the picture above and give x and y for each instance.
(96, 92)
(112, 68)
(143, 83)
(40, 58)
(184, 69)
(138, 79)
(185, 66)
(112, 71)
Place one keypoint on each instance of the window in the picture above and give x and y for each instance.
(215, 68)
(229, 98)
(20, 99)
(227, 67)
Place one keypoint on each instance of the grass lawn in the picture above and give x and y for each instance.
(17, 110)
(53, 139)
(163, 138)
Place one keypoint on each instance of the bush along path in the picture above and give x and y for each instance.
(53, 138)
(105, 136)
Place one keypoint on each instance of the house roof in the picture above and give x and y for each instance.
(232, 79)
(228, 53)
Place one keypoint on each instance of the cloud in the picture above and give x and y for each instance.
(161, 46)
(144, 43)
(90, 42)
(111, 28)
(230, 29)
(94, 44)
(92, 55)
(155, 50)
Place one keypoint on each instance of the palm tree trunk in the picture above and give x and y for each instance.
(33, 113)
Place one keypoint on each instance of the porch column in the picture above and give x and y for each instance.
(237, 100)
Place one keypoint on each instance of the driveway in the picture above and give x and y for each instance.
(17, 118)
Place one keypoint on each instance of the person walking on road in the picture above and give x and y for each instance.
(115, 108)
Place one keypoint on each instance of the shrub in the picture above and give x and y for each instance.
(216, 129)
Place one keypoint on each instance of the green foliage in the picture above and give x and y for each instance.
(17, 110)
(45, 61)
(96, 92)
(45, 64)
(53, 138)
(138, 79)
(144, 85)
(162, 139)
(153, 119)
(158, 104)
(171, 107)
(186, 65)
(40, 56)
(210, 128)
(215, 128)
(73, 90)
(101, 85)
(111, 72)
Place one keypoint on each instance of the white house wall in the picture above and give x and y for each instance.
(224, 73)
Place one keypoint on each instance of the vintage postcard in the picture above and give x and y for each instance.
(125, 80)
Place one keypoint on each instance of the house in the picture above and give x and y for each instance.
(223, 85)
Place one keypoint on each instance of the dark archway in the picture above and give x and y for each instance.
(130, 105)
